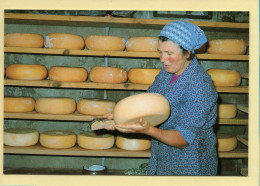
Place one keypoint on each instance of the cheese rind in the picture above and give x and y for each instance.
(19, 104)
(132, 142)
(227, 111)
(142, 76)
(142, 44)
(24, 40)
(225, 77)
(226, 142)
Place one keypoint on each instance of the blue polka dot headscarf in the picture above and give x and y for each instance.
(187, 35)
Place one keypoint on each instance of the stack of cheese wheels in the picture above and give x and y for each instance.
(93, 140)
(226, 142)
(104, 43)
(25, 40)
(21, 137)
(227, 111)
(108, 75)
(55, 105)
(70, 74)
(133, 142)
(142, 76)
(58, 139)
(95, 107)
(227, 46)
(64, 41)
(224, 77)
(142, 44)
(19, 104)
(26, 72)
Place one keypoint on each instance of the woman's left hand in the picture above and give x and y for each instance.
(140, 127)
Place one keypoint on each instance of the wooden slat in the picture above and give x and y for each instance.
(243, 108)
(242, 139)
(239, 89)
(233, 121)
(238, 153)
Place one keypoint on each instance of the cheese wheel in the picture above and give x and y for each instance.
(92, 140)
(108, 75)
(64, 41)
(104, 43)
(19, 104)
(20, 137)
(226, 142)
(142, 44)
(224, 77)
(133, 142)
(227, 111)
(142, 76)
(26, 72)
(152, 107)
(24, 40)
(70, 74)
(227, 46)
(58, 139)
(55, 105)
(95, 107)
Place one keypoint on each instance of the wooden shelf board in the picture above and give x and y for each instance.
(239, 89)
(237, 153)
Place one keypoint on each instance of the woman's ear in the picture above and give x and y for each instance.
(188, 55)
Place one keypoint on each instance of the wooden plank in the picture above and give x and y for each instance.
(237, 153)
(239, 89)
(242, 139)
(243, 108)
(233, 121)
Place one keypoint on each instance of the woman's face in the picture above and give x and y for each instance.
(172, 57)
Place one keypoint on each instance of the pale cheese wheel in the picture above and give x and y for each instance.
(58, 139)
(69, 74)
(100, 74)
(20, 137)
(226, 142)
(142, 76)
(142, 44)
(95, 141)
(24, 40)
(227, 46)
(104, 43)
(64, 41)
(152, 107)
(19, 104)
(95, 107)
(224, 77)
(133, 142)
(26, 72)
(227, 111)
(55, 105)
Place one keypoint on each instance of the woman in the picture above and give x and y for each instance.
(185, 144)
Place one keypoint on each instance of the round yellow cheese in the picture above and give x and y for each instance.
(226, 142)
(104, 43)
(92, 140)
(58, 139)
(100, 74)
(142, 44)
(227, 111)
(64, 41)
(24, 40)
(142, 76)
(26, 72)
(227, 46)
(133, 142)
(19, 104)
(55, 105)
(224, 77)
(70, 74)
(20, 137)
(95, 107)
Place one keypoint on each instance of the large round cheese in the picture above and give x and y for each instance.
(133, 142)
(227, 46)
(23, 40)
(226, 142)
(64, 41)
(26, 72)
(152, 107)
(227, 111)
(71, 74)
(95, 107)
(142, 44)
(142, 76)
(108, 75)
(55, 105)
(224, 77)
(19, 104)
(104, 43)
(20, 137)
(94, 141)
(58, 139)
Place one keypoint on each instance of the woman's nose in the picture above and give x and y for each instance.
(162, 58)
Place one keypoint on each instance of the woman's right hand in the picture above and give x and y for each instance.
(108, 116)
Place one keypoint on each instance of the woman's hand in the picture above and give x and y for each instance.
(142, 126)
(108, 116)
